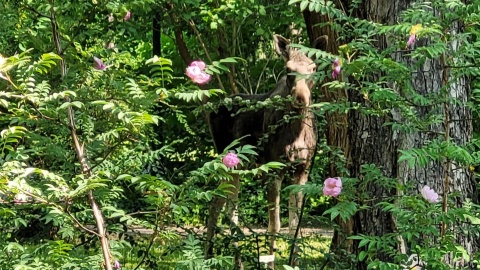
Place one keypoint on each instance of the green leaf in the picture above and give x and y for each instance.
(474, 220)
(65, 105)
(291, 2)
(108, 106)
(275, 164)
(303, 5)
(77, 104)
(228, 60)
(362, 255)
(262, 11)
(463, 252)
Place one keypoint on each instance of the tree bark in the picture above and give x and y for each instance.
(157, 32)
(369, 141)
(178, 32)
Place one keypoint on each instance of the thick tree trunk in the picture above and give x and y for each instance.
(373, 143)
(369, 141)
(443, 176)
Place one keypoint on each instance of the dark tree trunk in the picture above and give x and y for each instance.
(178, 33)
(157, 33)
(369, 141)
(373, 143)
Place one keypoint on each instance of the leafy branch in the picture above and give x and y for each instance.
(79, 149)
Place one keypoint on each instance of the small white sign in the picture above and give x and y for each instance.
(266, 258)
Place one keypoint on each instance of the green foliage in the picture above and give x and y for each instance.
(194, 257)
(142, 128)
(386, 86)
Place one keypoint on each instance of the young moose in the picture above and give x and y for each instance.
(289, 141)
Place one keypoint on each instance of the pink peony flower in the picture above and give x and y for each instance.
(117, 265)
(332, 187)
(429, 194)
(99, 65)
(202, 78)
(413, 35)
(193, 70)
(128, 15)
(196, 72)
(336, 68)
(411, 40)
(200, 64)
(230, 160)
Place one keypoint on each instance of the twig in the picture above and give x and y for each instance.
(447, 167)
(109, 152)
(179, 40)
(263, 72)
(81, 225)
(142, 213)
(52, 204)
(35, 11)
(258, 252)
(221, 50)
(154, 235)
(294, 240)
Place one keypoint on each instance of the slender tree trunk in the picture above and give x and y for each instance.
(178, 33)
(157, 32)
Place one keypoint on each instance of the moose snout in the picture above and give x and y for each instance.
(301, 93)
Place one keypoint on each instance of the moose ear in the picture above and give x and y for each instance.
(281, 45)
(321, 43)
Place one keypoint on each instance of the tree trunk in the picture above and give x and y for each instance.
(369, 141)
(336, 130)
(157, 32)
(443, 176)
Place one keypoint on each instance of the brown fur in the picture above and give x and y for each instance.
(292, 141)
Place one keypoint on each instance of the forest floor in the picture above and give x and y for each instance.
(314, 242)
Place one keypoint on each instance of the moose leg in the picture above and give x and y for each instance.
(232, 208)
(295, 201)
(213, 212)
(273, 197)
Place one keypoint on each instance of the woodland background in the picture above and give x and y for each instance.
(129, 146)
